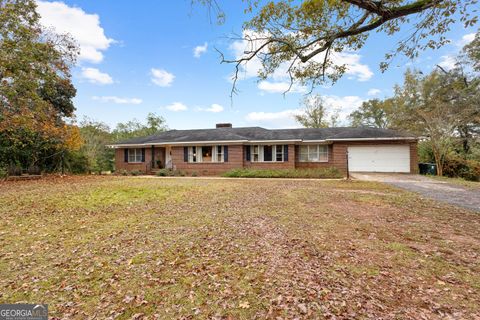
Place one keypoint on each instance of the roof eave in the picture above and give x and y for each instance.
(314, 141)
(274, 141)
(121, 145)
(373, 139)
(130, 145)
(201, 142)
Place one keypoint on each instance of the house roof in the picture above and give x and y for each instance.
(258, 134)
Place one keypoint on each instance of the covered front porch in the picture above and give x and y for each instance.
(160, 158)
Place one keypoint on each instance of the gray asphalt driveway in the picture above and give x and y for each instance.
(439, 190)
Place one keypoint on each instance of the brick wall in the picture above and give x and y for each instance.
(413, 157)
(235, 160)
(121, 165)
(339, 157)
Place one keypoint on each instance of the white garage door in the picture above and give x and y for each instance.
(384, 158)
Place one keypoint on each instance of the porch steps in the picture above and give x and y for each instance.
(154, 172)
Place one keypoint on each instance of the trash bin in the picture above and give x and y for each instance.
(427, 168)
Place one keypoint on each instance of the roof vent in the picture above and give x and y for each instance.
(224, 125)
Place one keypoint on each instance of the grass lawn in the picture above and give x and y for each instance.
(130, 247)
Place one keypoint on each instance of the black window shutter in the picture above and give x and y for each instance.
(247, 153)
(185, 154)
(125, 155)
(143, 154)
(225, 153)
(285, 152)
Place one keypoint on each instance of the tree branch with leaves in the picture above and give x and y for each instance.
(305, 37)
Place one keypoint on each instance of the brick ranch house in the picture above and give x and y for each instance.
(214, 151)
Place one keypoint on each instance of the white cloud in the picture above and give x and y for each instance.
(83, 27)
(354, 68)
(199, 50)
(179, 106)
(280, 87)
(345, 105)
(286, 118)
(447, 62)
(466, 39)
(162, 78)
(272, 116)
(215, 108)
(250, 68)
(374, 92)
(117, 100)
(94, 75)
(176, 107)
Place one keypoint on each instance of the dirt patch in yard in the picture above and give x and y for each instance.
(120, 247)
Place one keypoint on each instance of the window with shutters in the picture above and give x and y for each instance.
(313, 153)
(205, 154)
(135, 155)
(267, 153)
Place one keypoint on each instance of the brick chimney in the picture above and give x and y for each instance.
(224, 125)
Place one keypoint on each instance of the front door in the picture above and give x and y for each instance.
(158, 161)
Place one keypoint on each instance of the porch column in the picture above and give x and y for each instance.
(153, 157)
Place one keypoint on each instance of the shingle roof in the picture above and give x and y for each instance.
(247, 134)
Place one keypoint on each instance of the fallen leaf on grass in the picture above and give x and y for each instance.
(138, 316)
(302, 307)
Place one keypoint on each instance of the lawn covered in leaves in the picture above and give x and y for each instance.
(183, 248)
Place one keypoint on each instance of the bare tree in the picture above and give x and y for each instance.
(314, 113)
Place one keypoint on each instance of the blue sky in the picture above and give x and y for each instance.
(159, 56)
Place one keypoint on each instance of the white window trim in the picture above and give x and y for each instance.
(135, 155)
(253, 153)
(215, 153)
(261, 153)
(198, 152)
(317, 146)
(274, 154)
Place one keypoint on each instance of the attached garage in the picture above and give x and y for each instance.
(379, 158)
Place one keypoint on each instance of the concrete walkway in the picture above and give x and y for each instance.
(438, 190)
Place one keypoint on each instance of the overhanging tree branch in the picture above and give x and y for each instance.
(284, 32)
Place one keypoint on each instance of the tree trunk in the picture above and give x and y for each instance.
(438, 161)
(465, 135)
(439, 167)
